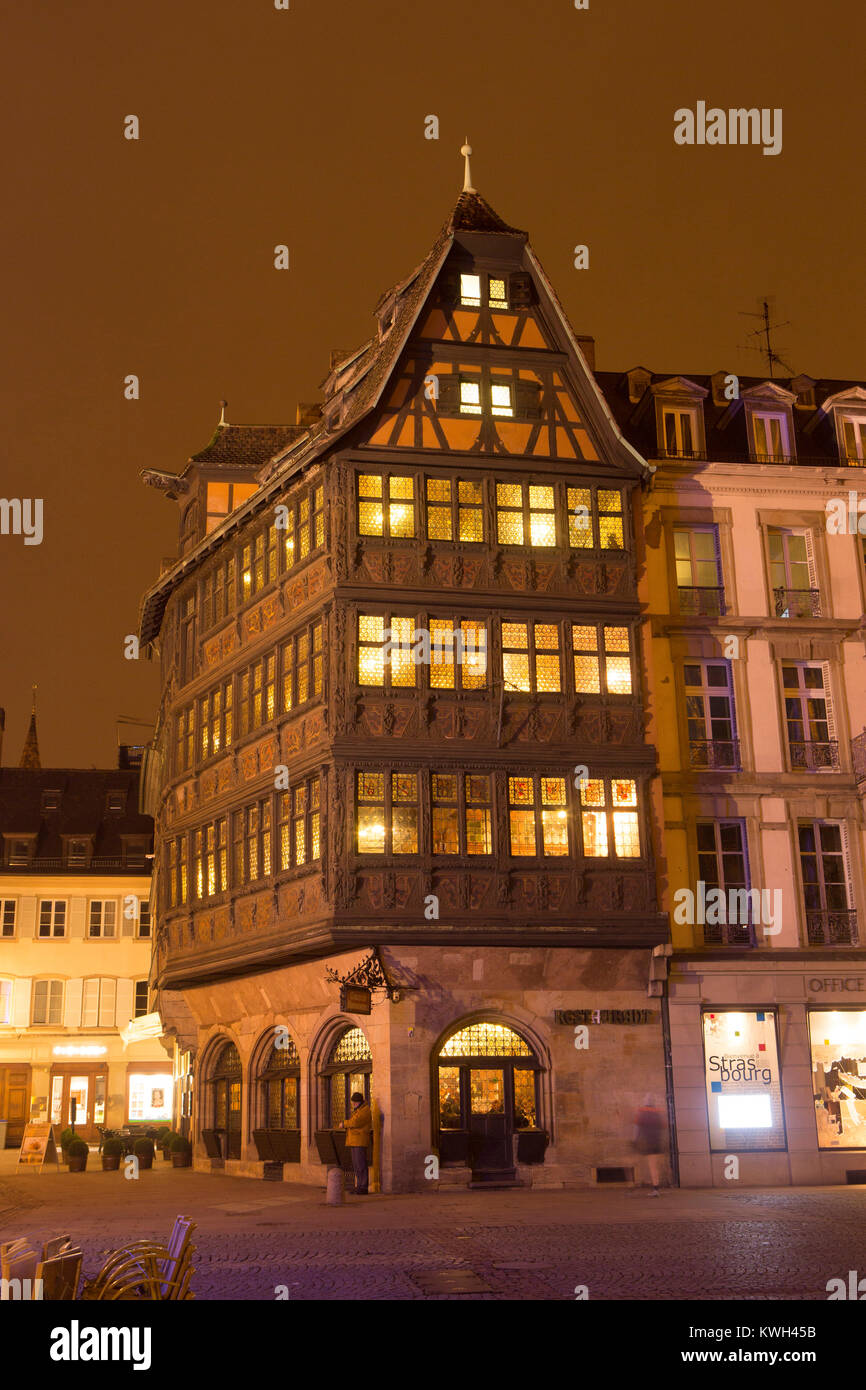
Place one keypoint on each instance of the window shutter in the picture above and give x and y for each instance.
(77, 916)
(90, 1004)
(72, 1015)
(21, 1003)
(127, 924)
(26, 917)
(107, 1003)
(55, 1005)
(125, 1002)
(520, 291)
(828, 701)
(809, 537)
(449, 394)
(846, 856)
(528, 400)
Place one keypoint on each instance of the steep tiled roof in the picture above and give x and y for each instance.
(82, 808)
(472, 213)
(245, 446)
(725, 425)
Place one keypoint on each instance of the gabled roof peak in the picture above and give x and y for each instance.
(472, 213)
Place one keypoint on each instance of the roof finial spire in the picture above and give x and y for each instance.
(33, 708)
(30, 753)
(223, 409)
(466, 151)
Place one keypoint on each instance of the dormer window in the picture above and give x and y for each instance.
(50, 801)
(19, 851)
(470, 290)
(222, 498)
(854, 438)
(770, 436)
(680, 431)
(114, 801)
(500, 397)
(470, 398)
(76, 853)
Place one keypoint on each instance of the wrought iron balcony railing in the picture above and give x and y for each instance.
(138, 864)
(701, 601)
(797, 603)
(831, 927)
(858, 757)
(813, 754)
(729, 934)
(715, 753)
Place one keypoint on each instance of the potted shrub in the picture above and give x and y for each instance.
(143, 1150)
(181, 1152)
(66, 1139)
(78, 1151)
(165, 1143)
(112, 1152)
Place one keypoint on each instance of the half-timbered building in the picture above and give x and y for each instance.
(401, 756)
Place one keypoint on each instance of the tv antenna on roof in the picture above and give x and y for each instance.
(766, 349)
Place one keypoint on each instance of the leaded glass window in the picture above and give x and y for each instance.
(486, 1040)
(352, 1046)
(530, 657)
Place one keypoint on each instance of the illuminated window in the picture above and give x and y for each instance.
(595, 522)
(385, 650)
(617, 660)
(197, 865)
(209, 886)
(501, 402)
(606, 806)
(387, 812)
(580, 524)
(770, 434)
(450, 516)
(538, 813)
(530, 657)
(486, 1040)
(470, 526)
(319, 516)
(525, 511)
(458, 648)
(854, 439)
(470, 397)
(257, 694)
(299, 824)
(253, 563)
(497, 293)
(252, 842)
(223, 589)
(470, 290)
(439, 520)
(461, 813)
(374, 514)
(182, 873)
(302, 661)
(171, 881)
(610, 533)
(287, 531)
(222, 498)
(680, 433)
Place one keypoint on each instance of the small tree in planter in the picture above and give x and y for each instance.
(181, 1152)
(112, 1152)
(66, 1139)
(166, 1143)
(78, 1151)
(163, 1134)
(143, 1150)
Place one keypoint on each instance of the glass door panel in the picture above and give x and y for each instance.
(450, 1116)
(78, 1088)
(57, 1100)
(489, 1125)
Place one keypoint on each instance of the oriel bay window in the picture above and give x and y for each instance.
(387, 812)
(256, 700)
(530, 657)
(601, 652)
(299, 824)
(215, 721)
(609, 818)
(252, 842)
(454, 509)
(525, 514)
(462, 813)
(538, 815)
(215, 876)
(595, 518)
(302, 663)
(386, 505)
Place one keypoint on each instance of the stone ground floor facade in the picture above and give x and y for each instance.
(488, 1064)
(769, 1068)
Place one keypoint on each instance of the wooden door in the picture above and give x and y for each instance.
(14, 1102)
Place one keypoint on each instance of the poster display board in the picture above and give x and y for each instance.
(38, 1148)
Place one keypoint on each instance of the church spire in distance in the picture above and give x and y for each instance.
(30, 753)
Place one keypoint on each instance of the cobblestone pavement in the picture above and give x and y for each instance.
(253, 1237)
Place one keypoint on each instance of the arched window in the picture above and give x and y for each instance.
(487, 1093)
(226, 1083)
(348, 1069)
(279, 1111)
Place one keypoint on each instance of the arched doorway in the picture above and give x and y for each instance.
(487, 1087)
(348, 1068)
(225, 1082)
(279, 1079)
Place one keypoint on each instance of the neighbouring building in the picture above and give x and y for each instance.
(753, 580)
(75, 951)
(402, 747)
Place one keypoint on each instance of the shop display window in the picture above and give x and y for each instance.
(744, 1093)
(838, 1038)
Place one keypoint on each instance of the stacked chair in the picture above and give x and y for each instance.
(54, 1277)
(147, 1270)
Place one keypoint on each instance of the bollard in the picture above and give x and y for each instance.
(336, 1187)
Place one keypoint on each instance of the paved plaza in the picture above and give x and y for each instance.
(254, 1238)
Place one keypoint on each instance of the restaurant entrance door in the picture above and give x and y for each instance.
(86, 1085)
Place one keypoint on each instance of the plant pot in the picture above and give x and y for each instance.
(181, 1160)
(145, 1160)
(78, 1165)
(111, 1163)
(166, 1153)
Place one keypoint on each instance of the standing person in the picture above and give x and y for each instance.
(648, 1140)
(359, 1130)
